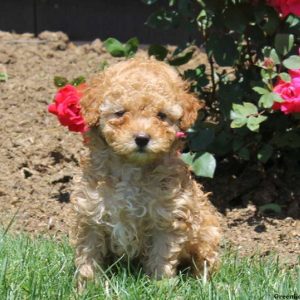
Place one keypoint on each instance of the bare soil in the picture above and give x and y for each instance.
(38, 157)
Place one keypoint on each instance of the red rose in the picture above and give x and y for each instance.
(67, 109)
(286, 7)
(290, 93)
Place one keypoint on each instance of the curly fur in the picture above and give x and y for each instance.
(144, 205)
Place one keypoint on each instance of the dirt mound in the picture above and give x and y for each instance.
(39, 157)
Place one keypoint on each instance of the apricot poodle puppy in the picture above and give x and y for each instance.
(136, 198)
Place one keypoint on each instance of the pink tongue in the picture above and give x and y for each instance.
(181, 134)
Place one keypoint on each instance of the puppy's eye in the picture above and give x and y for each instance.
(162, 116)
(120, 113)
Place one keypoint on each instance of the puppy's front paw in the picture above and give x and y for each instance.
(85, 273)
(161, 271)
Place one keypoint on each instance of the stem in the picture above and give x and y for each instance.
(212, 72)
(270, 80)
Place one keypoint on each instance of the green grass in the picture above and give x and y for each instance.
(43, 268)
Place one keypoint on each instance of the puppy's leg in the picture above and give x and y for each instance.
(162, 260)
(90, 251)
(204, 264)
(204, 251)
(90, 237)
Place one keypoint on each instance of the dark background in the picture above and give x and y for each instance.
(86, 20)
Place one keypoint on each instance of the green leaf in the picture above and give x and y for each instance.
(267, 100)
(293, 62)
(266, 51)
(114, 47)
(78, 80)
(267, 76)
(284, 43)
(246, 114)
(188, 158)
(163, 19)
(227, 92)
(238, 143)
(253, 122)
(264, 75)
(60, 81)
(223, 49)
(184, 7)
(200, 70)
(204, 165)
(244, 153)
(273, 207)
(267, 19)
(256, 35)
(238, 122)
(260, 90)
(292, 21)
(222, 143)
(274, 56)
(201, 139)
(237, 111)
(3, 76)
(158, 51)
(264, 153)
(249, 108)
(182, 59)
(198, 75)
(203, 19)
(131, 46)
(285, 77)
(235, 19)
(240, 114)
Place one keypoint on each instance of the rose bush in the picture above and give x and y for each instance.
(251, 86)
(67, 108)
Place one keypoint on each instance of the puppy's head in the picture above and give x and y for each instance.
(137, 106)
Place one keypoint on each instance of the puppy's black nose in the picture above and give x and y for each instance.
(142, 139)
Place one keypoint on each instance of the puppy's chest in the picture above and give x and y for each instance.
(127, 198)
(135, 204)
(139, 198)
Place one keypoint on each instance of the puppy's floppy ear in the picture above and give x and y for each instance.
(190, 104)
(91, 101)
